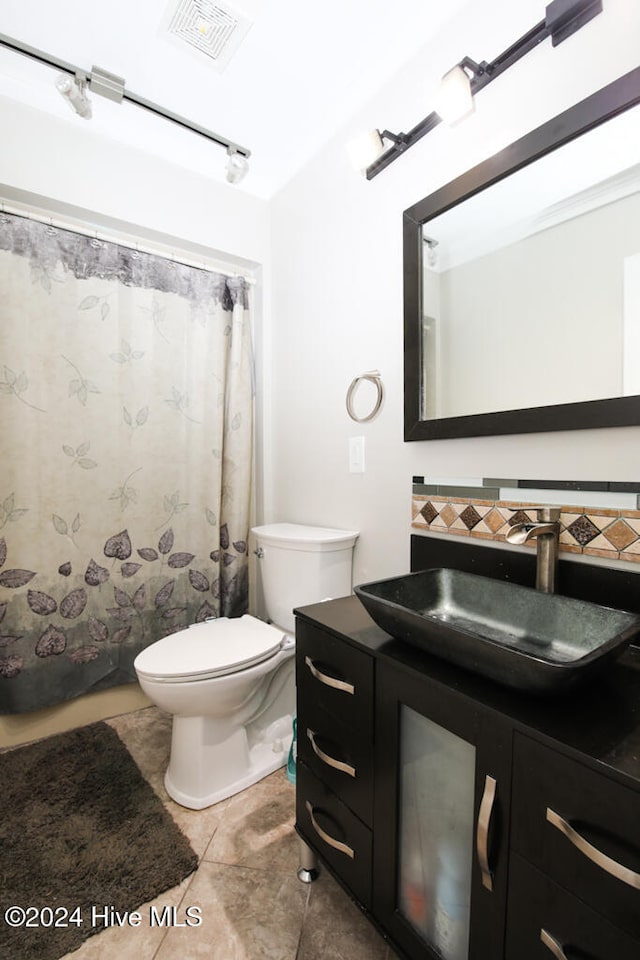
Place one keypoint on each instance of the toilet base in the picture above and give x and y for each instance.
(222, 769)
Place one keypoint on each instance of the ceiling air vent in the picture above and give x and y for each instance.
(212, 28)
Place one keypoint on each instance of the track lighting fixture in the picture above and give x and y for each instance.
(365, 148)
(73, 90)
(72, 84)
(460, 85)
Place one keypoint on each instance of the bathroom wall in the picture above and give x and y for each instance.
(337, 287)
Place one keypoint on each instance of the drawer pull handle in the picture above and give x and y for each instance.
(330, 761)
(552, 945)
(327, 680)
(482, 837)
(336, 844)
(596, 856)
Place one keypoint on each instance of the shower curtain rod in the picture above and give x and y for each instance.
(131, 243)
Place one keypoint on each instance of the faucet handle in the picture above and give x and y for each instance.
(546, 513)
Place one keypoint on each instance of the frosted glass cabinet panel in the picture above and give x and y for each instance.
(440, 836)
(436, 816)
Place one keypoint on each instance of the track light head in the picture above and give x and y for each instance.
(455, 99)
(365, 148)
(237, 166)
(72, 89)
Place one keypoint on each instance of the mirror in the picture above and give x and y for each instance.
(522, 282)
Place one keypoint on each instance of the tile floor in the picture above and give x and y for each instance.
(252, 905)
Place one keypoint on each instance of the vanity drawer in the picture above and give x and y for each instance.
(542, 917)
(335, 676)
(335, 833)
(340, 756)
(580, 828)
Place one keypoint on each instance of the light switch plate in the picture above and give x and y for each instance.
(356, 455)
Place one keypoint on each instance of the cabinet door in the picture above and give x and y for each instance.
(440, 819)
(545, 922)
(579, 827)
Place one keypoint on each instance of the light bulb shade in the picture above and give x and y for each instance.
(454, 100)
(365, 148)
(237, 167)
(70, 89)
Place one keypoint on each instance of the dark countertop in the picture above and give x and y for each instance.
(598, 723)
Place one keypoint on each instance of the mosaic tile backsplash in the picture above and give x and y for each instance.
(613, 534)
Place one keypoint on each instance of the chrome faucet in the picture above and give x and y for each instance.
(546, 531)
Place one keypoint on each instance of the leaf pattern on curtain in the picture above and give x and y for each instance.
(126, 405)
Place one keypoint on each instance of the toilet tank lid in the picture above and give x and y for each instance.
(209, 648)
(298, 536)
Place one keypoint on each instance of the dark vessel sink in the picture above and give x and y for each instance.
(539, 642)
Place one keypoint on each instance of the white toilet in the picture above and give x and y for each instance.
(229, 683)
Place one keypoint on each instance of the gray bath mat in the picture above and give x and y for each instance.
(80, 828)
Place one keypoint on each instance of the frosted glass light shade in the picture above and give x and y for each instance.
(364, 149)
(454, 100)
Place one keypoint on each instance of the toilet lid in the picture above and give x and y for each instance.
(210, 649)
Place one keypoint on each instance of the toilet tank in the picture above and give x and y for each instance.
(302, 564)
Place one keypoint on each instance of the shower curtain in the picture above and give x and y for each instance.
(126, 401)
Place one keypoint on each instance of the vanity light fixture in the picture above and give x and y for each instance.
(460, 84)
(72, 84)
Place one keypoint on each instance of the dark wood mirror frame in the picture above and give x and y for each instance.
(615, 412)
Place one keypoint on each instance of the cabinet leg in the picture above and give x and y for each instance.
(308, 869)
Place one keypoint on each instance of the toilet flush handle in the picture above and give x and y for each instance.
(259, 552)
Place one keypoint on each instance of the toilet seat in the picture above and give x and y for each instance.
(214, 648)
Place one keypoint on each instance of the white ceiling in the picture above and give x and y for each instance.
(302, 70)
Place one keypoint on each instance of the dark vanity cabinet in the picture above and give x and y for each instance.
(469, 822)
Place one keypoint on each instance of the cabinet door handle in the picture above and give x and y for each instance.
(327, 680)
(330, 761)
(336, 844)
(482, 835)
(552, 945)
(596, 856)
